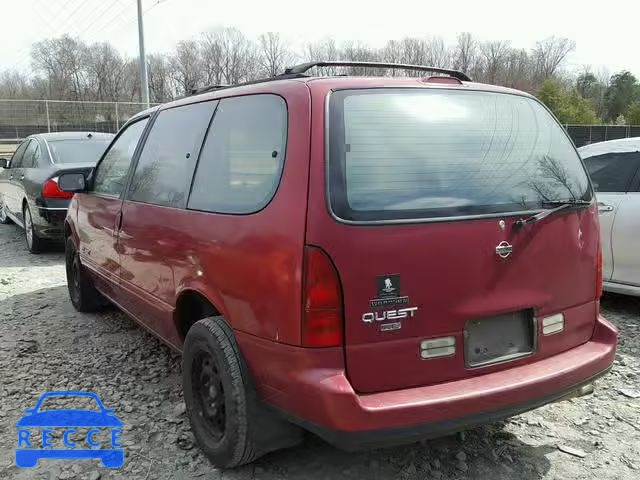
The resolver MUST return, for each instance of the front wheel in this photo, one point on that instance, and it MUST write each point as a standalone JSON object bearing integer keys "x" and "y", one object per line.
{"x": 4, "y": 218}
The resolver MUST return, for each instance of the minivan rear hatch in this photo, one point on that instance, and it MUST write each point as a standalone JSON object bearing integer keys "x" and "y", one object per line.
{"x": 440, "y": 282}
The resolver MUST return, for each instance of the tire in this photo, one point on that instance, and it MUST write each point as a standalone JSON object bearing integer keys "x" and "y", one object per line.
{"x": 83, "y": 295}
{"x": 34, "y": 243}
{"x": 4, "y": 218}
{"x": 234, "y": 428}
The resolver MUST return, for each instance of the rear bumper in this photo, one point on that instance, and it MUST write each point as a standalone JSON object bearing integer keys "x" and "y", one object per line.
{"x": 49, "y": 222}
{"x": 311, "y": 388}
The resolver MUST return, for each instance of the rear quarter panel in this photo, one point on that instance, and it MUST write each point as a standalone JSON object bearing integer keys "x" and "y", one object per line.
{"x": 248, "y": 266}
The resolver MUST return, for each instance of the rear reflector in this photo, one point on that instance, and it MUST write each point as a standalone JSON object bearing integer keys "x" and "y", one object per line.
{"x": 322, "y": 322}
{"x": 50, "y": 189}
{"x": 553, "y": 324}
{"x": 437, "y": 347}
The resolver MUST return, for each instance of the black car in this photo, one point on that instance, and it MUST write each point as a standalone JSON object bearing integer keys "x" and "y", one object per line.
{"x": 29, "y": 193}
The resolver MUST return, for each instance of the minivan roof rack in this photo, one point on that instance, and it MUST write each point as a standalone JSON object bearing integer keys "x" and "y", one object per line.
{"x": 303, "y": 67}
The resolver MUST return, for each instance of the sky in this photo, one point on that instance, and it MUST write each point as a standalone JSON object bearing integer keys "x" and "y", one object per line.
{"x": 606, "y": 38}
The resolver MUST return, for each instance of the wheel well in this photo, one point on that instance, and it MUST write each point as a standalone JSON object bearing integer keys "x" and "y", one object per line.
{"x": 191, "y": 307}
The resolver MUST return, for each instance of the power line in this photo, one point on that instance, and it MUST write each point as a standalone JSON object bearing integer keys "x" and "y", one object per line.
{"x": 67, "y": 22}
{"x": 62, "y": 9}
{"x": 102, "y": 16}
{"x": 128, "y": 22}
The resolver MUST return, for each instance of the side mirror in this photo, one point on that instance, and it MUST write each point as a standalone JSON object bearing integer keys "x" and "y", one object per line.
{"x": 72, "y": 182}
{"x": 4, "y": 162}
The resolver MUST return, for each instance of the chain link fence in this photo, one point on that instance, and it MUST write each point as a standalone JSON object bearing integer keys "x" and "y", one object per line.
{"x": 21, "y": 118}
{"x": 586, "y": 134}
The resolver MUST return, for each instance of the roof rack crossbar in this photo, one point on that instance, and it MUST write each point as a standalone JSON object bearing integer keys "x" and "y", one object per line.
{"x": 303, "y": 67}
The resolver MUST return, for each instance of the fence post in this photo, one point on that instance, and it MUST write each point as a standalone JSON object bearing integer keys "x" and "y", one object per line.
{"x": 46, "y": 104}
{"x": 117, "y": 118}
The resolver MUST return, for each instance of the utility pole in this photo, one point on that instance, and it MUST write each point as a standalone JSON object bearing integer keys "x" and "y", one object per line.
{"x": 144, "y": 82}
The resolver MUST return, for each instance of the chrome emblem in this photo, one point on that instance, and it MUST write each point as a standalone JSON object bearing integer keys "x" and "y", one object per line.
{"x": 504, "y": 249}
{"x": 502, "y": 224}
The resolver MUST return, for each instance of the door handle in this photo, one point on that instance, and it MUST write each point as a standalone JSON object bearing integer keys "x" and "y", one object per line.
{"x": 604, "y": 207}
{"x": 117, "y": 224}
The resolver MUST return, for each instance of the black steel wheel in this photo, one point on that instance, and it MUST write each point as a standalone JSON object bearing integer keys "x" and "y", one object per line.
{"x": 209, "y": 401}
{"x": 83, "y": 295}
{"x": 229, "y": 422}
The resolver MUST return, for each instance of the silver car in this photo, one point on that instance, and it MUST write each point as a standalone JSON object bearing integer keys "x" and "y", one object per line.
{"x": 614, "y": 167}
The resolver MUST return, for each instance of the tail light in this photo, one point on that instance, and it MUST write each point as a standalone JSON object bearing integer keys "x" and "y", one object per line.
{"x": 50, "y": 189}
{"x": 322, "y": 322}
{"x": 599, "y": 272}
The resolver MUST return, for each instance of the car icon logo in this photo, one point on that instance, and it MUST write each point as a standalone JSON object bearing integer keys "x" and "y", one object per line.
{"x": 504, "y": 249}
{"x": 27, "y": 454}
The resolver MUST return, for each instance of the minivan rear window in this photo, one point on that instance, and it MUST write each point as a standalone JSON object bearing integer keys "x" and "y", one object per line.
{"x": 434, "y": 153}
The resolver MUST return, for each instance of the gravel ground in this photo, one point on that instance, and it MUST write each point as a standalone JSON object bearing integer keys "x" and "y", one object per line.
{"x": 46, "y": 345}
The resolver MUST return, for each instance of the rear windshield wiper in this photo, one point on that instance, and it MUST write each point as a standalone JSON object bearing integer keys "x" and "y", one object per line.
{"x": 557, "y": 206}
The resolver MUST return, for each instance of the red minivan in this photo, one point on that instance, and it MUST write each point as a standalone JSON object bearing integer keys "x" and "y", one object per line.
{"x": 377, "y": 260}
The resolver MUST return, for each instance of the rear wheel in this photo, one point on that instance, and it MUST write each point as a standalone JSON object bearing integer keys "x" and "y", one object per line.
{"x": 34, "y": 242}
{"x": 229, "y": 423}
{"x": 84, "y": 296}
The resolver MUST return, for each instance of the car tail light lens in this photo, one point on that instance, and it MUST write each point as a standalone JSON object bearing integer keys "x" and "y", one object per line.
{"x": 50, "y": 189}
{"x": 322, "y": 323}
{"x": 599, "y": 272}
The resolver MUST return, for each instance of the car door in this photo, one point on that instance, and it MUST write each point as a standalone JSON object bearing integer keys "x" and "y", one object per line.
{"x": 626, "y": 231}
{"x": 10, "y": 190}
{"x": 149, "y": 242}
{"x": 27, "y": 164}
{"x": 612, "y": 174}
{"x": 99, "y": 209}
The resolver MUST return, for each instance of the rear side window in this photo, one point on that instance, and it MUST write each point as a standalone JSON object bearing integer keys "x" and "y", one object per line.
{"x": 613, "y": 172}
{"x": 16, "y": 159}
{"x": 165, "y": 168}
{"x": 111, "y": 173}
{"x": 29, "y": 155}
{"x": 429, "y": 153}
{"x": 242, "y": 158}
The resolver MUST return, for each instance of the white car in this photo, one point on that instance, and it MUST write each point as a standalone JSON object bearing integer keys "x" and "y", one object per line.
{"x": 614, "y": 167}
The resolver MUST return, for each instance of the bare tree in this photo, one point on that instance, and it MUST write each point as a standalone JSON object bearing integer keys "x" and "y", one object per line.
{"x": 517, "y": 71}
{"x": 549, "y": 55}
{"x": 275, "y": 54}
{"x": 14, "y": 85}
{"x": 414, "y": 51}
{"x": 358, "y": 52}
{"x": 494, "y": 55}
{"x": 438, "y": 53}
{"x": 105, "y": 71}
{"x": 324, "y": 50}
{"x": 229, "y": 57}
{"x": 466, "y": 52}
{"x": 61, "y": 61}
{"x": 159, "y": 73}
{"x": 186, "y": 66}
